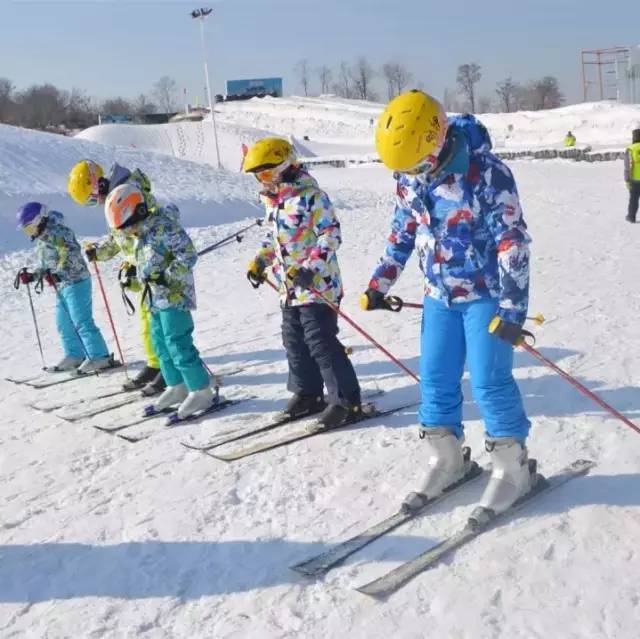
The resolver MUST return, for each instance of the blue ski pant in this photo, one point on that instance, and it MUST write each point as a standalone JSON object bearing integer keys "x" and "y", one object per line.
{"x": 172, "y": 337}
{"x": 451, "y": 335}
{"x": 74, "y": 311}
{"x": 316, "y": 356}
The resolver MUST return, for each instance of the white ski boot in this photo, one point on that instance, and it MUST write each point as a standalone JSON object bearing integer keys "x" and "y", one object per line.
{"x": 513, "y": 474}
{"x": 94, "y": 365}
{"x": 171, "y": 396}
{"x": 196, "y": 401}
{"x": 446, "y": 465}
{"x": 67, "y": 364}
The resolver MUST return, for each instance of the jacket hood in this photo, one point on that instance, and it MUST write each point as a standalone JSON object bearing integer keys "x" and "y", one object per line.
{"x": 55, "y": 216}
{"x": 475, "y": 132}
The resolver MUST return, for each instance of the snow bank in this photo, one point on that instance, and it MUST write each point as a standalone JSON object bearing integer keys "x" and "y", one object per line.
{"x": 35, "y": 165}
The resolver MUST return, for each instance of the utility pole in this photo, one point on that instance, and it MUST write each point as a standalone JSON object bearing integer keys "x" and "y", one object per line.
{"x": 201, "y": 15}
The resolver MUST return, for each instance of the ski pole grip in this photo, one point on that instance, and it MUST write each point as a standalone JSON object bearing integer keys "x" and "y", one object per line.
{"x": 394, "y": 303}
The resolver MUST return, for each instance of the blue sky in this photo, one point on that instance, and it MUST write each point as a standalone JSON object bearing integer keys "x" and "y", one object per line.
{"x": 122, "y": 47}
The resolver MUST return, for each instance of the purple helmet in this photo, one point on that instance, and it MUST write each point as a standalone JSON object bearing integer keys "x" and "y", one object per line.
{"x": 29, "y": 217}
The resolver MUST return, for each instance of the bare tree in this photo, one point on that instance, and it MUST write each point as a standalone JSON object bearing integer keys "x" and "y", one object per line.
{"x": 325, "y": 76}
{"x": 302, "y": 71}
{"x": 397, "y": 78}
{"x": 508, "y": 92}
{"x": 362, "y": 75}
{"x": 468, "y": 76}
{"x": 6, "y": 100}
{"x": 484, "y": 104}
{"x": 450, "y": 101}
{"x": 143, "y": 106}
{"x": 80, "y": 111}
{"x": 546, "y": 93}
{"x": 165, "y": 92}
{"x": 41, "y": 106}
{"x": 117, "y": 106}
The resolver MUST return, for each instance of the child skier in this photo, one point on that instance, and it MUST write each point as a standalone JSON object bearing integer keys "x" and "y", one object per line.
{"x": 88, "y": 186}
{"x": 458, "y": 204}
{"x": 301, "y": 249}
{"x": 61, "y": 265}
{"x": 165, "y": 258}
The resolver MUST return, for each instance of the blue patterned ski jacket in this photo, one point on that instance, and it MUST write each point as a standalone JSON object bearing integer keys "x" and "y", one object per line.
{"x": 58, "y": 251}
{"x": 468, "y": 229}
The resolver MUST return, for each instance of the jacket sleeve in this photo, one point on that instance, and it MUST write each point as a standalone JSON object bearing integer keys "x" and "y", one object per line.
{"x": 628, "y": 166}
{"x": 108, "y": 249}
{"x": 170, "y": 251}
{"x": 327, "y": 229}
{"x": 400, "y": 244}
{"x": 506, "y": 224}
{"x": 266, "y": 254}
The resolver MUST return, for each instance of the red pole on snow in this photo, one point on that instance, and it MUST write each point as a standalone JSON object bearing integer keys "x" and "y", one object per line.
{"x": 362, "y": 332}
{"x": 576, "y": 384}
{"x": 113, "y": 326}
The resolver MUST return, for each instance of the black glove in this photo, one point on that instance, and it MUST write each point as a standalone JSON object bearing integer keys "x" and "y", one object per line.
{"x": 508, "y": 331}
{"x": 25, "y": 276}
{"x": 50, "y": 278}
{"x": 301, "y": 276}
{"x": 127, "y": 273}
{"x": 91, "y": 252}
{"x": 158, "y": 279}
{"x": 372, "y": 300}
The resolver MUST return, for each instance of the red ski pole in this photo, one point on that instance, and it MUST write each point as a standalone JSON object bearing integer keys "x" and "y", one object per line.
{"x": 576, "y": 384}
{"x": 113, "y": 326}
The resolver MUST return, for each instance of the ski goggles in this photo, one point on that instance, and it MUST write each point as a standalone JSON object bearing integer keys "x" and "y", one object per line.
{"x": 33, "y": 228}
{"x": 428, "y": 165}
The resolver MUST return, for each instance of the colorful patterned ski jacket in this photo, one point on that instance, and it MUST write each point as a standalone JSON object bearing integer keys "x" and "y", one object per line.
{"x": 303, "y": 231}
{"x": 164, "y": 248}
{"x": 58, "y": 250}
{"x": 468, "y": 229}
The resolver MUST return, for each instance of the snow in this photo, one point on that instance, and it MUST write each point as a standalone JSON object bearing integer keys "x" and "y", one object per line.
{"x": 102, "y": 538}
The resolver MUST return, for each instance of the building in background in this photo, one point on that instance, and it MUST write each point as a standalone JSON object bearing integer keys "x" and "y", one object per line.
{"x": 255, "y": 88}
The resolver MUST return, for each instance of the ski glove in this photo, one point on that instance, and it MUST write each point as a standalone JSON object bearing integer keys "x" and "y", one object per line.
{"x": 508, "y": 331}
{"x": 300, "y": 276}
{"x": 91, "y": 252}
{"x": 255, "y": 273}
{"x": 25, "y": 276}
{"x": 372, "y": 300}
{"x": 127, "y": 274}
{"x": 50, "y": 278}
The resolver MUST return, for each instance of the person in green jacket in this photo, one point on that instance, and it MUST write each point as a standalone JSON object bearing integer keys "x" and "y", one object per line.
{"x": 632, "y": 175}
{"x": 569, "y": 139}
{"x": 88, "y": 186}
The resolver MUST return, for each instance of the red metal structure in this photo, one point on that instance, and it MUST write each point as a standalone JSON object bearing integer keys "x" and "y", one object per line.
{"x": 610, "y": 59}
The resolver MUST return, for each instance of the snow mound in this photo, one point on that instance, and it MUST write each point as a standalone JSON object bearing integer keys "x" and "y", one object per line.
{"x": 35, "y": 165}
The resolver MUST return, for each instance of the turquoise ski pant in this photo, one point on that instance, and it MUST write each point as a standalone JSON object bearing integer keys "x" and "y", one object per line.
{"x": 74, "y": 307}
{"x": 172, "y": 337}
{"x": 451, "y": 335}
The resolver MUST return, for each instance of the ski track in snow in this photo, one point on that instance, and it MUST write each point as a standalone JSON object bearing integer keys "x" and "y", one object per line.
{"x": 102, "y": 538}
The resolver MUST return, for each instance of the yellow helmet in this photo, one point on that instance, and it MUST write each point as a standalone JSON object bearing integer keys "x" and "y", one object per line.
{"x": 83, "y": 182}
{"x": 269, "y": 156}
{"x": 411, "y": 132}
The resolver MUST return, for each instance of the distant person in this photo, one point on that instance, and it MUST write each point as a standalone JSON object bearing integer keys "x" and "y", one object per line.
{"x": 569, "y": 140}
{"x": 88, "y": 186}
{"x": 60, "y": 265}
{"x": 457, "y": 206}
{"x": 165, "y": 257}
{"x": 632, "y": 175}
{"x": 301, "y": 248}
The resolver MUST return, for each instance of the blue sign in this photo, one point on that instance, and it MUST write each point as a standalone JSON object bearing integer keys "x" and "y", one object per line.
{"x": 116, "y": 119}
{"x": 259, "y": 87}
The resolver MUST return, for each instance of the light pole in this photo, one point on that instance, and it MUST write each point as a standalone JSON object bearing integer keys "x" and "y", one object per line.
{"x": 200, "y": 15}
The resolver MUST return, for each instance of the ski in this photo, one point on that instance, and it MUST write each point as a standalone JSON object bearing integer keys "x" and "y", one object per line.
{"x": 280, "y": 419}
{"x": 172, "y": 422}
{"x": 113, "y": 429}
{"x": 62, "y": 378}
{"x": 480, "y": 521}
{"x": 92, "y": 412}
{"x": 314, "y": 428}
{"x": 49, "y": 408}
{"x": 322, "y": 563}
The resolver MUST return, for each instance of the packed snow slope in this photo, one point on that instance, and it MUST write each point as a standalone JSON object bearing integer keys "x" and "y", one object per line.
{"x": 103, "y": 538}
{"x": 340, "y": 127}
{"x": 35, "y": 166}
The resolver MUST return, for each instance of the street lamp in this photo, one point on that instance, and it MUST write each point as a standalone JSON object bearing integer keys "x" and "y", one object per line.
{"x": 201, "y": 15}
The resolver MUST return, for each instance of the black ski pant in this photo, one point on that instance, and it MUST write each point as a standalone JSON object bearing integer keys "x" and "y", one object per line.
{"x": 634, "y": 200}
{"x": 316, "y": 355}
